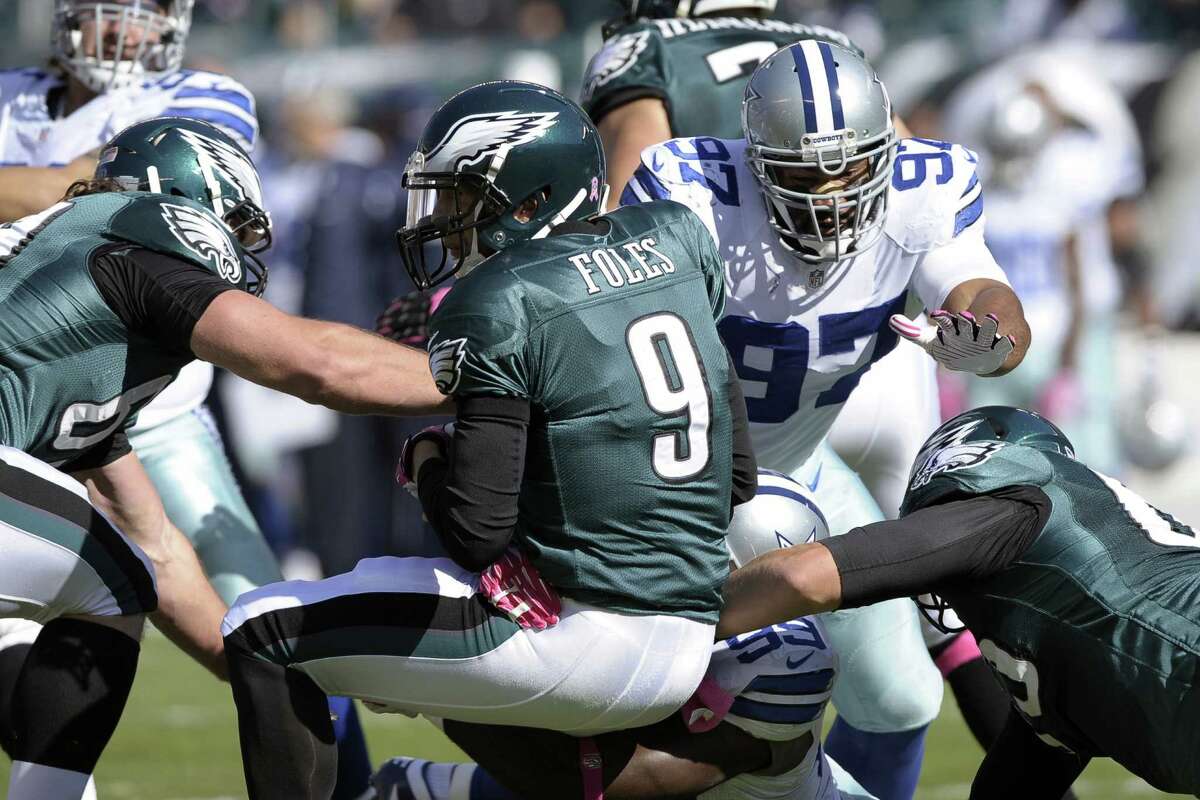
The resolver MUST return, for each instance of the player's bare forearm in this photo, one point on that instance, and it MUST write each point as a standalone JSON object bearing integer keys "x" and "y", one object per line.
{"x": 663, "y": 760}
{"x": 28, "y": 190}
{"x": 330, "y": 364}
{"x": 189, "y": 610}
{"x": 983, "y": 296}
{"x": 778, "y": 586}
{"x": 627, "y": 131}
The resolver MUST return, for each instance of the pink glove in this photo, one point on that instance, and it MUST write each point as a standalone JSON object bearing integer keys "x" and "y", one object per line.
{"x": 1061, "y": 398}
{"x": 441, "y": 435}
{"x": 707, "y": 706}
{"x": 406, "y": 320}
{"x": 513, "y": 585}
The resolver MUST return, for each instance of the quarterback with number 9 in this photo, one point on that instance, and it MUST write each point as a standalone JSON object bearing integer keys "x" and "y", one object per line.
{"x": 599, "y": 447}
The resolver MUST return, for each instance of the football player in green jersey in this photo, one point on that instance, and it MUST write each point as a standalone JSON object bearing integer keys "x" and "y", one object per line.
{"x": 601, "y": 441}
{"x": 103, "y": 298}
{"x": 1083, "y": 597}
{"x": 673, "y": 68}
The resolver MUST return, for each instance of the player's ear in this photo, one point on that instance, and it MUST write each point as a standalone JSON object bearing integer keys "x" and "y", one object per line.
{"x": 529, "y": 206}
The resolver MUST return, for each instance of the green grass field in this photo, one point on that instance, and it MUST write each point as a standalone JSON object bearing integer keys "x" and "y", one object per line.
{"x": 178, "y": 741}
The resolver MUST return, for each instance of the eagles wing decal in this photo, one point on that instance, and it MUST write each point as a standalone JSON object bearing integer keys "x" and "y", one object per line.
{"x": 949, "y": 452}
{"x": 231, "y": 162}
{"x": 474, "y": 138}
{"x": 207, "y": 238}
{"x": 445, "y": 363}
{"x": 616, "y": 58}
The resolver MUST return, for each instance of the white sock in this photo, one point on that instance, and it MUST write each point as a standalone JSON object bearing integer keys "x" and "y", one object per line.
{"x": 90, "y": 792}
{"x": 38, "y": 782}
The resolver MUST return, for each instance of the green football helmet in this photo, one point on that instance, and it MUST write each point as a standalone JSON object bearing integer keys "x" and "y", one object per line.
{"x": 498, "y": 164}
{"x": 1001, "y": 424}
{"x": 188, "y": 158}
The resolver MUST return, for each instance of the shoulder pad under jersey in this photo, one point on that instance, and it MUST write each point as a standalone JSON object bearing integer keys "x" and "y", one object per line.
{"x": 935, "y": 194}
{"x": 210, "y": 97}
{"x": 178, "y": 227}
{"x": 14, "y": 83}
{"x": 629, "y": 65}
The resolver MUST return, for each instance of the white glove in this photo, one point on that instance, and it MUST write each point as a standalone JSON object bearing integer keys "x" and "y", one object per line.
{"x": 957, "y": 341}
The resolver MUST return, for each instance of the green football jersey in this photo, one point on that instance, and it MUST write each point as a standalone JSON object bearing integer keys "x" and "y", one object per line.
{"x": 1095, "y": 629}
{"x": 612, "y": 339}
{"x": 697, "y": 67}
{"x": 71, "y": 373}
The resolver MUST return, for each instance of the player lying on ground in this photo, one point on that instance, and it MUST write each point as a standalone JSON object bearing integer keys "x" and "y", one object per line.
{"x": 104, "y": 297}
{"x": 600, "y": 430}
{"x": 1082, "y": 596}
{"x": 752, "y": 731}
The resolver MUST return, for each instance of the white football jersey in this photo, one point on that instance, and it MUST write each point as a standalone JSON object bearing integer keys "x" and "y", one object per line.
{"x": 781, "y": 679}
{"x": 31, "y": 135}
{"x": 801, "y": 350}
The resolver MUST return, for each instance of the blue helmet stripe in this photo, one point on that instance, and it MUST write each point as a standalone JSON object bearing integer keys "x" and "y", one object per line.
{"x": 806, "y": 88}
{"x": 835, "y": 98}
{"x": 781, "y": 491}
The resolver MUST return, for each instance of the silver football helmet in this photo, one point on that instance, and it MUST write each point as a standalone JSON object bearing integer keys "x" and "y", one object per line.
{"x": 1017, "y": 127}
{"x": 782, "y": 513}
{"x": 110, "y": 45}
{"x": 818, "y": 123}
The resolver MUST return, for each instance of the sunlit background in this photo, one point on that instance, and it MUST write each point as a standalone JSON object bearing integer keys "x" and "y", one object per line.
{"x": 343, "y": 89}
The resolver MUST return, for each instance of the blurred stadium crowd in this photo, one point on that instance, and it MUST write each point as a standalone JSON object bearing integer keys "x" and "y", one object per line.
{"x": 1084, "y": 112}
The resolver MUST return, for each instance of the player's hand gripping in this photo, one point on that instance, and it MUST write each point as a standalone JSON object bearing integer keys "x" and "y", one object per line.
{"x": 406, "y": 320}
{"x": 442, "y": 436}
{"x": 958, "y": 341}
{"x": 513, "y": 585}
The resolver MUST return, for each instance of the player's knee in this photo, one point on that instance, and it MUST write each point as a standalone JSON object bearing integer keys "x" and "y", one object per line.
{"x": 886, "y": 696}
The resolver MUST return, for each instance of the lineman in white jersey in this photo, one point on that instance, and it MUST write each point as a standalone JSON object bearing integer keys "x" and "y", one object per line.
{"x": 817, "y": 279}
{"x": 116, "y": 63}
{"x": 751, "y": 732}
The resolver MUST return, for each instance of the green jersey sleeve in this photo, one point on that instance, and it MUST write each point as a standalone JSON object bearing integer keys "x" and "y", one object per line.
{"x": 478, "y": 348}
{"x": 973, "y": 468}
{"x": 628, "y": 67}
{"x": 179, "y": 227}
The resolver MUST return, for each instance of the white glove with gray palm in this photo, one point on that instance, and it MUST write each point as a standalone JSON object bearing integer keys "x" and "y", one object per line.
{"x": 958, "y": 342}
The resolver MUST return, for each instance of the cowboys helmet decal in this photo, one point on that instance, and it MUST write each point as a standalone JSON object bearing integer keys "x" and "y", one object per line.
{"x": 949, "y": 452}
{"x": 618, "y": 55}
{"x": 445, "y": 363}
{"x": 231, "y": 163}
{"x": 473, "y": 138}
{"x": 206, "y": 237}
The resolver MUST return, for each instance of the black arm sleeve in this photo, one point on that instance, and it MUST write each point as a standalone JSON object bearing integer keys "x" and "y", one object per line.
{"x": 611, "y": 101}
{"x": 1019, "y": 764}
{"x": 745, "y": 468}
{"x": 471, "y": 499}
{"x": 960, "y": 539}
{"x": 157, "y": 296}
{"x": 102, "y": 454}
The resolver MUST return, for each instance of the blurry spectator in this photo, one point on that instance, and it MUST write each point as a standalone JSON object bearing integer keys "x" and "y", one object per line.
{"x": 1061, "y": 155}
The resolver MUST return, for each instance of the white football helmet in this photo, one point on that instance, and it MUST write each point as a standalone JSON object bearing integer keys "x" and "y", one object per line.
{"x": 782, "y": 513}
{"x": 110, "y": 45}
